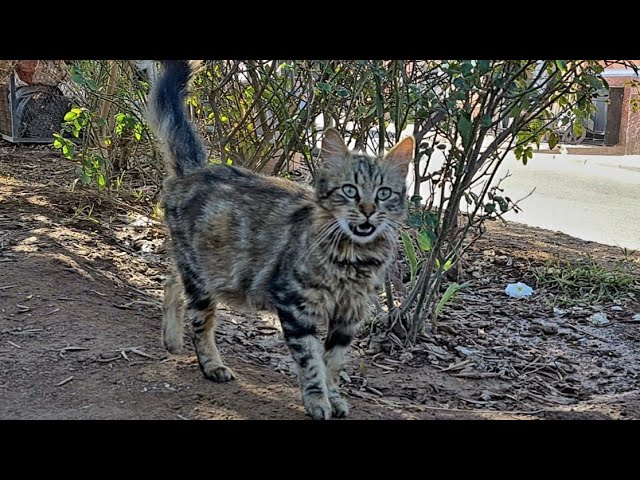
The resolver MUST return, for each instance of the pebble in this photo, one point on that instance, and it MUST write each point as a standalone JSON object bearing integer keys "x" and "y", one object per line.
{"x": 599, "y": 319}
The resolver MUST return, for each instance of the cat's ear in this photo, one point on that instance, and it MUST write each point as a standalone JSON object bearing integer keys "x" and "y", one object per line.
{"x": 401, "y": 154}
{"x": 333, "y": 147}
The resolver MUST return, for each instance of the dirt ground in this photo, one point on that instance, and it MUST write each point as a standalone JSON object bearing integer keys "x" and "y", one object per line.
{"x": 80, "y": 291}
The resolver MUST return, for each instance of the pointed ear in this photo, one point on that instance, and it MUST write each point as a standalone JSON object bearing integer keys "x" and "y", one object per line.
{"x": 402, "y": 153}
{"x": 333, "y": 147}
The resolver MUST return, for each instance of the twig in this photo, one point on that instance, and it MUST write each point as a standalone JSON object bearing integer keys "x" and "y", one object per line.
{"x": 513, "y": 412}
{"x": 586, "y": 333}
{"x": 125, "y": 306}
{"x": 476, "y": 375}
{"x": 384, "y": 367}
{"x": 141, "y": 353}
{"x": 457, "y": 366}
{"x": 373, "y": 390}
{"x": 14, "y": 344}
{"x": 52, "y": 311}
{"x": 69, "y": 349}
{"x": 7, "y": 286}
{"x": 107, "y": 360}
{"x": 26, "y": 332}
{"x": 66, "y": 380}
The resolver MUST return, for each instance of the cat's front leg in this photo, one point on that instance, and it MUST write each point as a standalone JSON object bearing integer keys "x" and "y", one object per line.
{"x": 301, "y": 338}
{"x": 336, "y": 344}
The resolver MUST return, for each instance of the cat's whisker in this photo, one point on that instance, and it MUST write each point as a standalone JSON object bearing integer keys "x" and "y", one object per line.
{"x": 327, "y": 230}
{"x": 327, "y": 237}
{"x": 333, "y": 250}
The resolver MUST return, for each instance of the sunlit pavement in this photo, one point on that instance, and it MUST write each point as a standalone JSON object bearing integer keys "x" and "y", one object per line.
{"x": 592, "y": 197}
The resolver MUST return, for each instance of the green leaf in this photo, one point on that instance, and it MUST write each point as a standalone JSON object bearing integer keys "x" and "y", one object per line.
{"x": 504, "y": 206}
{"x": 411, "y": 255}
{"x": 415, "y": 198}
{"x": 424, "y": 241}
{"x": 578, "y": 129}
{"x": 229, "y": 162}
{"x": 414, "y": 219}
{"x": 323, "y": 87}
{"x": 515, "y": 111}
{"x": 100, "y": 180}
{"x": 447, "y": 265}
{"x": 466, "y": 68}
{"x": 464, "y": 127}
{"x": 449, "y": 294}
{"x": 70, "y": 115}
{"x": 490, "y": 208}
{"x": 68, "y": 150}
{"x": 553, "y": 140}
{"x": 484, "y": 65}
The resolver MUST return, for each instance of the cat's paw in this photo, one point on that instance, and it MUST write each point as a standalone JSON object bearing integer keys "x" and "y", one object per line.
{"x": 218, "y": 373}
{"x": 339, "y": 407}
{"x": 317, "y": 406}
{"x": 173, "y": 345}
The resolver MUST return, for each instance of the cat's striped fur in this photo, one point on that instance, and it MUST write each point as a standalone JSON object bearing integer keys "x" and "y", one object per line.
{"x": 269, "y": 243}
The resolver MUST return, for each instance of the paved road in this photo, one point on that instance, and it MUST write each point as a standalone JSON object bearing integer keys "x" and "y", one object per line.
{"x": 590, "y": 197}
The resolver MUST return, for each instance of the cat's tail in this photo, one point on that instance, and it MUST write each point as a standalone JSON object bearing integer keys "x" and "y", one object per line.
{"x": 167, "y": 116}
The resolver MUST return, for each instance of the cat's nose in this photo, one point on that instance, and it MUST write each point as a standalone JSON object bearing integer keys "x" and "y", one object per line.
{"x": 367, "y": 208}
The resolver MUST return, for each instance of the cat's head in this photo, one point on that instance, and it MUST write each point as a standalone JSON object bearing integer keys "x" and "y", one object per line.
{"x": 366, "y": 195}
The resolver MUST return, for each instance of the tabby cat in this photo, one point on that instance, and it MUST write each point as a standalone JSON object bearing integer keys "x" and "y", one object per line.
{"x": 312, "y": 256}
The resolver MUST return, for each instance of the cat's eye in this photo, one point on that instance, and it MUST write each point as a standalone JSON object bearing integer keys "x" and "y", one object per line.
{"x": 350, "y": 191}
{"x": 384, "y": 193}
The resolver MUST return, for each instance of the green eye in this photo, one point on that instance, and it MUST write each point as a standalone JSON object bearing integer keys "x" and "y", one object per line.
{"x": 384, "y": 193}
{"x": 350, "y": 191}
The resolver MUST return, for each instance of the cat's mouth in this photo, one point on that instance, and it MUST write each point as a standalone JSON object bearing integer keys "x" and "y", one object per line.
{"x": 363, "y": 230}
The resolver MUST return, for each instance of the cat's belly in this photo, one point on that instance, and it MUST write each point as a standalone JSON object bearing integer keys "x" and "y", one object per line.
{"x": 245, "y": 301}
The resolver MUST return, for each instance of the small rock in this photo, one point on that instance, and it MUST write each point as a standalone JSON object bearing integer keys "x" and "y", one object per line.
{"x": 549, "y": 328}
{"x": 406, "y": 357}
{"x": 485, "y": 395}
{"x": 344, "y": 376}
{"x": 466, "y": 351}
{"x": 616, "y": 308}
{"x": 558, "y": 312}
{"x": 599, "y": 319}
{"x": 438, "y": 350}
{"x": 636, "y": 317}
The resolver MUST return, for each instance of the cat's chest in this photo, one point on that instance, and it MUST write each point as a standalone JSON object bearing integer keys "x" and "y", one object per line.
{"x": 346, "y": 302}
{"x": 344, "y": 289}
